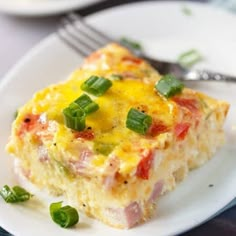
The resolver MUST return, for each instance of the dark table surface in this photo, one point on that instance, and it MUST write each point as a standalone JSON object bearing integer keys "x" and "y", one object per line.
{"x": 222, "y": 224}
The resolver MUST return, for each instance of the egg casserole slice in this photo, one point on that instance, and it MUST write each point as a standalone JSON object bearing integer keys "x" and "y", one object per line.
{"x": 113, "y": 154}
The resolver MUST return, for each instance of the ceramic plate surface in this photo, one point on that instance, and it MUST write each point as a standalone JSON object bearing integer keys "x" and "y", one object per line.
{"x": 165, "y": 31}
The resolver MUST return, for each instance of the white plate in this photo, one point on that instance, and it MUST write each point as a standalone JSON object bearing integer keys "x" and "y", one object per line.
{"x": 42, "y": 7}
{"x": 165, "y": 31}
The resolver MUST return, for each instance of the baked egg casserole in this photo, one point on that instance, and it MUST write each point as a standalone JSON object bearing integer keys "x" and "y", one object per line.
{"x": 115, "y": 136}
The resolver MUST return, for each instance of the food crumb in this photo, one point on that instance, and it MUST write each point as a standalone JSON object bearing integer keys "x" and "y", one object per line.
{"x": 187, "y": 11}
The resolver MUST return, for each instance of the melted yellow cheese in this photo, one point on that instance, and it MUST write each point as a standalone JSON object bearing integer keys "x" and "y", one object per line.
{"x": 135, "y": 90}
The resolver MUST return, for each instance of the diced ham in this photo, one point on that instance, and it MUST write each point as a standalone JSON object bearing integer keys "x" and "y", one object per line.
{"x": 125, "y": 217}
{"x": 110, "y": 173}
{"x": 133, "y": 214}
{"x": 43, "y": 154}
{"x": 108, "y": 182}
{"x": 156, "y": 190}
{"x": 82, "y": 163}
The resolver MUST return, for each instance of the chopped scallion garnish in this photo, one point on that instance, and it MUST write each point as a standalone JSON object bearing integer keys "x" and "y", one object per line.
{"x": 138, "y": 121}
{"x": 15, "y": 114}
{"x": 104, "y": 148}
{"x": 86, "y": 103}
{"x": 16, "y": 194}
{"x": 66, "y": 216}
{"x": 21, "y": 193}
{"x": 169, "y": 86}
{"x": 189, "y": 58}
{"x": 74, "y": 117}
{"x": 116, "y": 77}
{"x": 96, "y": 85}
{"x": 130, "y": 44}
{"x": 187, "y": 11}
{"x": 75, "y": 114}
{"x": 8, "y": 195}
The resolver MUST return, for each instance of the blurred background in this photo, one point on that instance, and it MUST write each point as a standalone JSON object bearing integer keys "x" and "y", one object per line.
{"x": 23, "y": 23}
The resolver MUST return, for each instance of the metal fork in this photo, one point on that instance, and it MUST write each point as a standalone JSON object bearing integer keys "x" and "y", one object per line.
{"x": 84, "y": 39}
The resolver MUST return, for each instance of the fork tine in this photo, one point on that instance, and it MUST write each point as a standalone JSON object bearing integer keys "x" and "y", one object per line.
{"x": 80, "y": 36}
{"x": 77, "y": 36}
{"x": 84, "y": 29}
{"x": 84, "y": 38}
{"x": 79, "y": 19}
{"x": 65, "y": 37}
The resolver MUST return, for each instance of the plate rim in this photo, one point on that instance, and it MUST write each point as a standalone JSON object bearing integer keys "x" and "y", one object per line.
{"x": 39, "y": 47}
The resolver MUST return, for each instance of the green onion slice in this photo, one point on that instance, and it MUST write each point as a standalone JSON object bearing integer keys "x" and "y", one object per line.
{"x": 86, "y": 103}
{"x": 21, "y": 193}
{"x": 116, "y": 76}
{"x": 104, "y": 148}
{"x": 66, "y": 216}
{"x": 8, "y": 195}
{"x": 130, "y": 44}
{"x": 15, "y": 114}
{"x": 187, "y": 11}
{"x": 75, "y": 113}
{"x": 189, "y": 58}
{"x": 138, "y": 121}
{"x": 169, "y": 86}
{"x": 74, "y": 117}
{"x": 14, "y": 195}
{"x": 96, "y": 85}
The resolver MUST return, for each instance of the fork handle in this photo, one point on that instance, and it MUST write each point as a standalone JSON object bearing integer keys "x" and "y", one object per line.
{"x": 196, "y": 75}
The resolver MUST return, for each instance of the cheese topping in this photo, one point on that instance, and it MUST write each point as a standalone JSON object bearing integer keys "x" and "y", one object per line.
{"x": 133, "y": 89}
